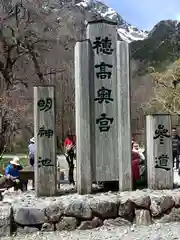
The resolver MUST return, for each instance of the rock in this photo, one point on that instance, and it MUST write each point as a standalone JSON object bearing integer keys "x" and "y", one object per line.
{"x": 27, "y": 216}
{"x": 142, "y": 202}
{"x": 79, "y": 209}
{"x": 116, "y": 222}
{"x": 176, "y": 199}
{"x": 104, "y": 209}
{"x": 97, "y": 222}
{"x": 160, "y": 204}
{"x": 27, "y": 230}
{"x": 85, "y": 225}
{"x": 54, "y": 212}
{"x": 47, "y": 227}
{"x": 142, "y": 217}
{"x": 67, "y": 223}
{"x": 173, "y": 216}
{"x": 126, "y": 209}
{"x": 5, "y": 220}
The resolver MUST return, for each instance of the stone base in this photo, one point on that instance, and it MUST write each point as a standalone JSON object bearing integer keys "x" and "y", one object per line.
{"x": 73, "y": 211}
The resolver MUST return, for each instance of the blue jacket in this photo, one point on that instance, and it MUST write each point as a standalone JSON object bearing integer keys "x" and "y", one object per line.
{"x": 13, "y": 171}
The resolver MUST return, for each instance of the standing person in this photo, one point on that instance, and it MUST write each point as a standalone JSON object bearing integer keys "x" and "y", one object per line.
{"x": 69, "y": 146}
{"x": 31, "y": 151}
{"x": 31, "y": 154}
{"x": 135, "y": 164}
{"x": 175, "y": 145}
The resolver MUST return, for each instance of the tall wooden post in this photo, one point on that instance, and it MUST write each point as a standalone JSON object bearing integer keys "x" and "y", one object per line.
{"x": 124, "y": 116}
{"x": 83, "y": 81}
{"x": 103, "y": 36}
{"x": 45, "y": 140}
{"x": 159, "y": 151}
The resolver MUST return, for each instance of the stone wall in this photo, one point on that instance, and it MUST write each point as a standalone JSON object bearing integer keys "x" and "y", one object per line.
{"x": 25, "y": 213}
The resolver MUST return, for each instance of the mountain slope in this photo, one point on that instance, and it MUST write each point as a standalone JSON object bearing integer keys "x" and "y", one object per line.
{"x": 126, "y": 31}
{"x": 161, "y": 45}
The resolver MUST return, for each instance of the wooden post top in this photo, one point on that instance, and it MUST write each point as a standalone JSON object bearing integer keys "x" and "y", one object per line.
{"x": 102, "y": 21}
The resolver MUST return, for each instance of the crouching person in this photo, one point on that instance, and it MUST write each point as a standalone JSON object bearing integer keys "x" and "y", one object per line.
{"x": 11, "y": 178}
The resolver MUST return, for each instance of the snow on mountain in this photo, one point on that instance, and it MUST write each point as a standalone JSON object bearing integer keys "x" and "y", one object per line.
{"x": 126, "y": 31}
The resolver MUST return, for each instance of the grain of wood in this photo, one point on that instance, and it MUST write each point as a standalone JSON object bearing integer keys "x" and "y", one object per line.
{"x": 105, "y": 143}
{"x": 83, "y": 80}
{"x": 124, "y": 117}
{"x": 45, "y": 176}
{"x": 158, "y": 178}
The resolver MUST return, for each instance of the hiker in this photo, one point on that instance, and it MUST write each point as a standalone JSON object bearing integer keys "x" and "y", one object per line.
{"x": 31, "y": 155}
{"x": 69, "y": 147}
{"x": 11, "y": 178}
{"x": 135, "y": 163}
{"x": 175, "y": 150}
{"x": 31, "y": 151}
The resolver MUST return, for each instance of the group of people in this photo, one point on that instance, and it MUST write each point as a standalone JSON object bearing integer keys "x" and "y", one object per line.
{"x": 12, "y": 171}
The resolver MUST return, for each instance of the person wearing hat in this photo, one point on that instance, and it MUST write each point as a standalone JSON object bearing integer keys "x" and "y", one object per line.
{"x": 31, "y": 154}
{"x": 31, "y": 151}
{"x": 12, "y": 174}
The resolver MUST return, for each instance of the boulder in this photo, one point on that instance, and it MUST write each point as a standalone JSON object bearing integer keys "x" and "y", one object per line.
{"x": 54, "y": 212}
{"x": 85, "y": 225}
{"x": 26, "y": 230}
{"x": 67, "y": 223}
{"x": 117, "y": 222}
{"x": 47, "y": 227}
{"x": 160, "y": 204}
{"x": 173, "y": 216}
{"x": 104, "y": 209}
{"x": 5, "y": 220}
{"x": 28, "y": 216}
{"x": 142, "y": 202}
{"x": 79, "y": 209}
{"x": 126, "y": 209}
{"x": 176, "y": 199}
{"x": 142, "y": 217}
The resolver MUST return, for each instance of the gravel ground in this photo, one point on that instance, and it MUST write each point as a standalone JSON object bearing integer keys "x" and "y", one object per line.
{"x": 167, "y": 231}
{"x": 170, "y": 231}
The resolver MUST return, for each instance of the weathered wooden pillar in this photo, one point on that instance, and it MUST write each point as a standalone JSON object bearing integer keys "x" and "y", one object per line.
{"x": 103, "y": 36}
{"x": 83, "y": 81}
{"x": 45, "y": 140}
{"x": 159, "y": 151}
{"x": 124, "y": 117}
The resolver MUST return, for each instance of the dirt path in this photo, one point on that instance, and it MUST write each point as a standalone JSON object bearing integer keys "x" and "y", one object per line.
{"x": 153, "y": 232}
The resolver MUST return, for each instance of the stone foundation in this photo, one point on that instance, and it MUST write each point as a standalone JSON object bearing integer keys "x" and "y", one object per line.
{"x": 25, "y": 213}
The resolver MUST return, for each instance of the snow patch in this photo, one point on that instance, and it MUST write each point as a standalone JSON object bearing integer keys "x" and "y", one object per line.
{"x": 126, "y": 31}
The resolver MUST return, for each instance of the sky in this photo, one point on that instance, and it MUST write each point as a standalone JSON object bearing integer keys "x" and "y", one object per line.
{"x": 144, "y": 14}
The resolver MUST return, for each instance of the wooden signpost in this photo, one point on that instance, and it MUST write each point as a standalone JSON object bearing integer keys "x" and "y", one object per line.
{"x": 83, "y": 78}
{"x": 103, "y": 37}
{"x": 45, "y": 140}
{"x": 100, "y": 139}
{"x": 159, "y": 151}
{"x": 124, "y": 116}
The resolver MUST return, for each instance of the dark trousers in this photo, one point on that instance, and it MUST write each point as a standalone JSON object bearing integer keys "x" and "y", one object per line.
{"x": 176, "y": 156}
{"x": 70, "y": 158}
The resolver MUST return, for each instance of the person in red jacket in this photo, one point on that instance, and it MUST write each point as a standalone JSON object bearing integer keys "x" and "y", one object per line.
{"x": 69, "y": 146}
{"x": 135, "y": 164}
